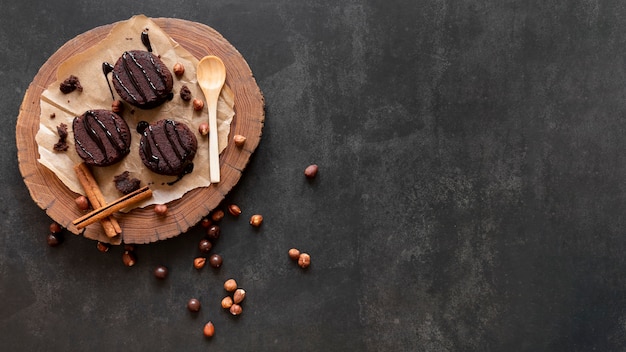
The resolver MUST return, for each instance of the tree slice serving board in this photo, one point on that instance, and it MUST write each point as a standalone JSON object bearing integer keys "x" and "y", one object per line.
{"x": 143, "y": 225}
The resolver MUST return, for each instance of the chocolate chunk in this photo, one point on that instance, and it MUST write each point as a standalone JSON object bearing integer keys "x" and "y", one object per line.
{"x": 70, "y": 84}
{"x": 126, "y": 184}
{"x": 185, "y": 93}
{"x": 61, "y": 145}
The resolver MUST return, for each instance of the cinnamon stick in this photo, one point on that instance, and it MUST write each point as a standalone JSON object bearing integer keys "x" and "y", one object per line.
{"x": 120, "y": 203}
{"x": 110, "y": 225}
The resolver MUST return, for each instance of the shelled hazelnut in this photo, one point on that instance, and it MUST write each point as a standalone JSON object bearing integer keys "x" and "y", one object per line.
{"x": 294, "y": 254}
{"x": 215, "y": 260}
{"x": 227, "y": 302}
{"x": 199, "y": 262}
{"x": 198, "y": 104}
{"x": 160, "y": 272}
{"x": 239, "y": 295}
{"x": 203, "y": 128}
{"x": 234, "y": 210}
{"x": 205, "y": 245}
{"x": 55, "y": 227}
{"x": 304, "y": 260}
{"x": 230, "y": 285}
{"x": 209, "y": 329}
{"x": 193, "y": 305}
{"x": 256, "y": 220}
{"x": 117, "y": 106}
{"x": 160, "y": 209}
{"x": 103, "y": 247}
{"x": 311, "y": 171}
{"x": 82, "y": 202}
{"x": 54, "y": 239}
{"x": 178, "y": 69}
{"x": 239, "y": 140}
{"x": 217, "y": 215}
{"x": 213, "y": 232}
{"x": 235, "y": 309}
{"x": 128, "y": 258}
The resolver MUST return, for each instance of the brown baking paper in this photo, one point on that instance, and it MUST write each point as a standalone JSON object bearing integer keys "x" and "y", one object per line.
{"x": 87, "y": 66}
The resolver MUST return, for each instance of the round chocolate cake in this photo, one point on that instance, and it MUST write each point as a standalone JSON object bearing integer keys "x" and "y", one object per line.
{"x": 142, "y": 79}
{"x": 168, "y": 147}
{"x": 102, "y": 137}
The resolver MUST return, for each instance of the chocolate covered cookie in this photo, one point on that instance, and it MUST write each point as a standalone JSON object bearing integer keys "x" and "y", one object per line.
{"x": 168, "y": 147}
{"x": 102, "y": 137}
{"x": 142, "y": 79}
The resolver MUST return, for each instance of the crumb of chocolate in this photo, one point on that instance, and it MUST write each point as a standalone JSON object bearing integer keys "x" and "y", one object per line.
{"x": 61, "y": 145}
{"x": 70, "y": 84}
{"x": 185, "y": 93}
{"x": 53, "y": 115}
{"x": 126, "y": 184}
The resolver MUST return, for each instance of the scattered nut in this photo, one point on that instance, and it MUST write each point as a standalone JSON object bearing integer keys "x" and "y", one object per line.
{"x": 230, "y": 285}
{"x": 198, "y": 104}
{"x": 160, "y": 209}
{"x": 117, "y": 106}
{"x": 209, "y": 329}
{"x": 54, "y": 239}
{"x": 239, "y": 295}
{"x": 213, "y": 232}
{"x": 234, "y": 210}
{"x": 178, "y": 69}
{"x": 205, "y": 245}
{"x": 203, "y": 128}
{"x": 206, "y": 223}
{"x": 311, "y": 171}
{"x": 55, "y": 227}
{"x": 304, "y": 260}
{"x": 294, "y": 254}
{"x": 256, "y": 220}
{"x": 227, "y": 302}
{"x": 103, "y": 247}
{"x": 128, "y": 258}
{"x": 239, "y": 140}
{"x": 217, "y": 215}
{"x": 199, "y": 262}
{"x": 235, "y": 309}
{"x": 215, "y": 260}
{"x": 193, "y": 305}
{"x": 160, "y": 272}
{"x": 82, "y": 202}
{"x": 129, "y": 247}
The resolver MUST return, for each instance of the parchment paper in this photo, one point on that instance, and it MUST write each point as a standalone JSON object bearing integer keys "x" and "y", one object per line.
{"x": 87, "y": 66}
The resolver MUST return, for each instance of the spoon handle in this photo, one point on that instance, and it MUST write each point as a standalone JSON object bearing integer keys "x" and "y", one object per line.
{"x": 214, "y": 162}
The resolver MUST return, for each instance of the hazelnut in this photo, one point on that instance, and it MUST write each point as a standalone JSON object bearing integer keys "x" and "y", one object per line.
{"x": 234, "y": 210}
{"x": 103, "y": 247}
{"x": 129, "y": 247}
{"x": 206, "y": 223}
{"x": 230, "y": 285}
{"x": 215, "y": 260}
{"x": 82, "y": 202}
{"x": 178, "y": 69}
{"x": 160, "y": 209}
{"x": 54, "y": 239}
{"x": 294, "y": 254}
{"x": 239, "y": 295}
{"x": 256, "y": 220}
{"x": 209, "y": 329}
{"x": 55, "y": 227}
{"x": 235, "y": 309}
{"x": 239, "y": 140}
{"x": 217, "y": 215}
{"x": 198, "y": 104}
{"x": 311, "y": 171}
{"x": 128, "y": 258}
{"x": 205, "y": 245}
{"x": 203, "y": 128}
{"x": 193, "y": 305}
{"x": 199, "y": 262}
{"x": 227, "y": 302}
{"x": 304, "y": 260}
{"x": 117, "y": 106}
{"x": 160, "y": 272}
{"x": 213, "y": 232}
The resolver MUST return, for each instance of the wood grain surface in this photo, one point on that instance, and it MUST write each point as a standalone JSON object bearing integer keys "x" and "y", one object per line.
{"x": 143, "y": 225}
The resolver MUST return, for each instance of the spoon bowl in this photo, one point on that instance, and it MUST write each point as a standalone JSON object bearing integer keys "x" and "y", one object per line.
{"x": 211, "y": 75}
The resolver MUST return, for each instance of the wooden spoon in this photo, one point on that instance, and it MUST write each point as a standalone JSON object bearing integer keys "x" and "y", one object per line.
{"x": 211, "y": 75}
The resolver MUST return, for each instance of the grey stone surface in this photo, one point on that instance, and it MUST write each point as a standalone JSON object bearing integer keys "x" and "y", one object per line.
{"x": 470, "y": 194}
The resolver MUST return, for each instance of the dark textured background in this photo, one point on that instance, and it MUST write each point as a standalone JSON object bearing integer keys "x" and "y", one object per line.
{"x": 470, "y": 195}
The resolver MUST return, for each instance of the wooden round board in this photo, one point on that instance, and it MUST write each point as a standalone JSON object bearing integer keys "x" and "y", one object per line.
{"x": 143, "y": 225}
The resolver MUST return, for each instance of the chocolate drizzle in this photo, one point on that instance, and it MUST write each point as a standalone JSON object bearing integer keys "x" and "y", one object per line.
{"x": 106, "y": 69}
{"x": 145, "y": 39}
